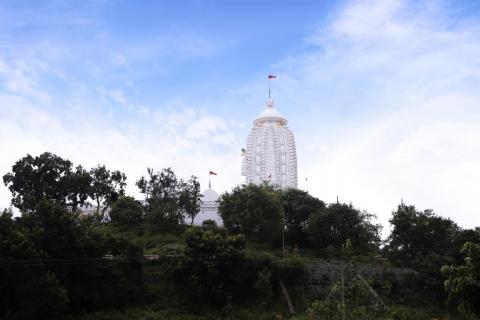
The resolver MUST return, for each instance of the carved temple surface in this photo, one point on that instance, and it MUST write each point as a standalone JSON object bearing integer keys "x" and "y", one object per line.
{"x": 270, "y": 154}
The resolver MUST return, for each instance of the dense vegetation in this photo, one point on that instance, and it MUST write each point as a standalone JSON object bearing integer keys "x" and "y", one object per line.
{"x": 150, "y": 261}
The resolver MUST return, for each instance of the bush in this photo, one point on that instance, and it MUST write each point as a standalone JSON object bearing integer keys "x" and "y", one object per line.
{"x": 254, "y": 211}
{"x": 127, "y": 210}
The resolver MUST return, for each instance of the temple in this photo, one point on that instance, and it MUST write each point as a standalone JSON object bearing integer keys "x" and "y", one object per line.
{"x": 208, "y": 207}
{"x": 270, "y": 155}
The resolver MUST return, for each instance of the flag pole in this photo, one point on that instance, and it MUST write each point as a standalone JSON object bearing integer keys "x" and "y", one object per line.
{"x": 269, "y": 89}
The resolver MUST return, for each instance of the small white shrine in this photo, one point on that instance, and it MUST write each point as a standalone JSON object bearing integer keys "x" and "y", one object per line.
{"x": 209, "y": 207}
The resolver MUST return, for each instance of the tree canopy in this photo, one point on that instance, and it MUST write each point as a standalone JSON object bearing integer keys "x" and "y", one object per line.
{"x": 339, "y": 222}
{"x": 51, "y": 177}
{"x": 298, "y": 207}
{"x": 253, "y": 210}
{"x": 127, "y": 210}
{"x": 168, "y": 199}
{"x": 46, "y": 176}
{"x": 463, "y": 281}
{"x": 106, "y": 187}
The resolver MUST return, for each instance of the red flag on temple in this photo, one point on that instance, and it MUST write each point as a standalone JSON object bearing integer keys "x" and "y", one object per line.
{"x": 212, "y": 173}
{"x": 271, "y": 76}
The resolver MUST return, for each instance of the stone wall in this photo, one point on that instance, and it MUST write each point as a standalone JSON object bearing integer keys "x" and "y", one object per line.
{"x": 322, "y": 274}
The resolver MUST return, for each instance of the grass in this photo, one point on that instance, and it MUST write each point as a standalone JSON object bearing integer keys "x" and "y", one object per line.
{"x": 150, "y": 313}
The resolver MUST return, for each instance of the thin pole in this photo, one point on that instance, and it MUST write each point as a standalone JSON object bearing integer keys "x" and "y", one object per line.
{"x": 343, "y": 286}
{"x": 268, "y": 89}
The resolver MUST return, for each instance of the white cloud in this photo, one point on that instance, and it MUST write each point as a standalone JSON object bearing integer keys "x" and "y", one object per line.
{"x": 189, "y": 140}
{"x": 395, "y": 86}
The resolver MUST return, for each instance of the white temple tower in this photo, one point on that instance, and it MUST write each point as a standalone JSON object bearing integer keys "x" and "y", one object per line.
{"x": 270, "y": 155}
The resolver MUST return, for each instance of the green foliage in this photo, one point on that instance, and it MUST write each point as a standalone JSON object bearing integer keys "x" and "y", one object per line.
{"x": 28, "y": 291}
{"x": 463, "y": 281}
{"x": 264, "y": 287}
{"x": 51, "y": 260}
{"x": 253, "y": 210}
{"x": 419, "y": 233}
{"x": 168, "y": 199}
{"x": 298, "y": 206}
{"x": 106, "y": 187}
{"x": 359, "y": 303}
{"x": 189, "y": 198}
{"x": 78, "y": 187}
{"x": 424, "y": 242}
{"x": 163, "y": 313}
{"x": 127, "y": 210}
{"x": 214, "y": 242}
{"x": 51, "y": 177}
{"x": 210, "y": 271}
{"x": 53, "y": 263}
{"x": 209, "y": 223}
{"x": 36, "y": 178}
{"x": 339, "y": 222}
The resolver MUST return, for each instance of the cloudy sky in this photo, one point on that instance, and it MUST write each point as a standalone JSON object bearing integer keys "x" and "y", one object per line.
{"x": 383, "y": 96}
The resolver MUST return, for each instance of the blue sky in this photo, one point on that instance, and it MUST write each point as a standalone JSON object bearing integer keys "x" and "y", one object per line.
{"x": 383, "y": 96}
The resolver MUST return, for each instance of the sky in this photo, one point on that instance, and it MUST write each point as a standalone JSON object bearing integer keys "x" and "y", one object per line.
{"x": 383, "y": 96}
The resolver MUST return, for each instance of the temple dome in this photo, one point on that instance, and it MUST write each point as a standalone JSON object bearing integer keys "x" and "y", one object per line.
{"x": 270, "y": 114}
{"x": 209, "y": 195}
{"x": 208, "y": 207}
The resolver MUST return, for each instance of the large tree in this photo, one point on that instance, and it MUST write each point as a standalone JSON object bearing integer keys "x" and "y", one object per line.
{"x": 424, "y": 242}
{"x": 190, "y": 197}
{"x": 297, "y": 207}
{"x": 49, "y": 257}
{"x": 127, "y": 210}
{"x": 106, "y": 187}
{"x": 28, "y": 291}
{"x": 419, "y": 233}
{"x": 254, "y": 210}
{"x": 463, "y": 281}
{"x": 162, "y": 193}
{"x": 339, "y": 222}
{"x": 78, "y": 187}
{"x": 46, "y": 176}
{"x": 213, "y": 271}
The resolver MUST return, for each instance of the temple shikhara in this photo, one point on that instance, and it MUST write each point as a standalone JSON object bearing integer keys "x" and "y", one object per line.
{"x": 270, "y": 155}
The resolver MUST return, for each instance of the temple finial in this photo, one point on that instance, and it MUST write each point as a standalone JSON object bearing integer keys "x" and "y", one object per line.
{"x": 270, "y": 77}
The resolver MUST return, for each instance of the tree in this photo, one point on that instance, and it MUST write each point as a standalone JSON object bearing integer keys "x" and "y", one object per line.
{"x": 419, "y": 233}
{"x": 424, "y": 242}
{"x": 253, "y": 210}
{"x": 339, "y": 222}
{"x": 127, "y": 210}
{"x": 51, "y": 258}
{"x": 298, "y": 206}
{"x": 27, "y": 290}
{"x": 78, "y": 187}
{"x": 162, "y": 193}
{"x": 463, "y": 281}
{"x": 211, "y": 271}
{"x": 43, "y": 177}
{"x": 106, "y": 187}
{"x": 190, "y": 197}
